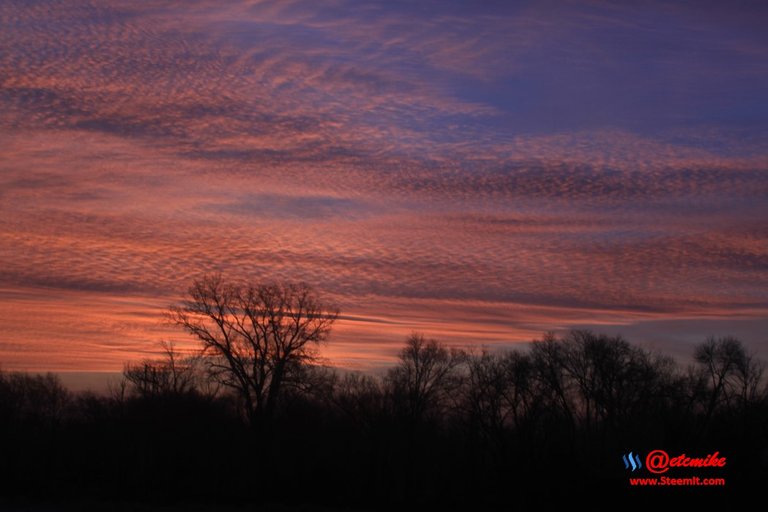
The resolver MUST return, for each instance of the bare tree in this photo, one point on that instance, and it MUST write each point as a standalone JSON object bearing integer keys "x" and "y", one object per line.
{"x": 733, "y": 377}
{"x": 361, "y": 398}
{"x": 615, "y": 380}
{"x": 258, "y": 337}
{"x": 32, "y": 399}
{"x": 499, "y": 391}
{"x": 749, "y": 377}
{"x": 557, "y": 390}
{"x": 601, "y": 381}
{"x": 175, "y": 374}
{"x": 426, "y": 377}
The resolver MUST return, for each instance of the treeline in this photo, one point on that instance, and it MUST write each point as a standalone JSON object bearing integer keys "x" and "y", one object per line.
{"x": 443, "y": 426}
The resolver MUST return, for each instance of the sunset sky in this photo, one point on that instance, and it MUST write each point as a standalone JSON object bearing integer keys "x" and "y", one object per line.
{"x": 481, "y": 172}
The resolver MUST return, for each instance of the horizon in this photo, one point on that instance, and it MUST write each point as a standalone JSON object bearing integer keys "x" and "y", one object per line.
{"x": 481, "y": 174}
{"x": 101, "y": 382}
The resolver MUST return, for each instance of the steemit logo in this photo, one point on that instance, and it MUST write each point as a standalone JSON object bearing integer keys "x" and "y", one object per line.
{"x": 632, "y": 460}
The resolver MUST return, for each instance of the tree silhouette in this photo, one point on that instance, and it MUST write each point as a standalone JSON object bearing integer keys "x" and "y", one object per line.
{"x": 729, "y": 376}
{"x": 556, "y": 388}
{"x": 614, "y": 379}
{"x": 499, "y": 393}
{"x": 257, "y": 337}
{"x": 174, "y": 375}
{"x": 32, "y": 399}
{"x": 426, "y": 375}
{"x": 442, "y": 427}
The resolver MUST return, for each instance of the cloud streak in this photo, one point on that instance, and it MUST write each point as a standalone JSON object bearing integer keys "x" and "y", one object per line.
{"x": 481, "y": 174}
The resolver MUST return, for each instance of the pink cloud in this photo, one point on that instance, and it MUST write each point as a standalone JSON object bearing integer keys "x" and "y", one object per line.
{"x": 143, "y": 148}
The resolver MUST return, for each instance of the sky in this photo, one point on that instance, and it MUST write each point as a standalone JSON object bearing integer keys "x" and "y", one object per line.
{"x": 480, "y": 172}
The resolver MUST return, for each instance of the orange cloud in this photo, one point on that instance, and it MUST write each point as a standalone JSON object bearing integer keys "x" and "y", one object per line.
{"x": 383, "y": 158}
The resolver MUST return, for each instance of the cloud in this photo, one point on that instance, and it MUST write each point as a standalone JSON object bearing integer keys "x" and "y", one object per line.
{"x": 480, "y": 173}
{"x": 305, "y": 208}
